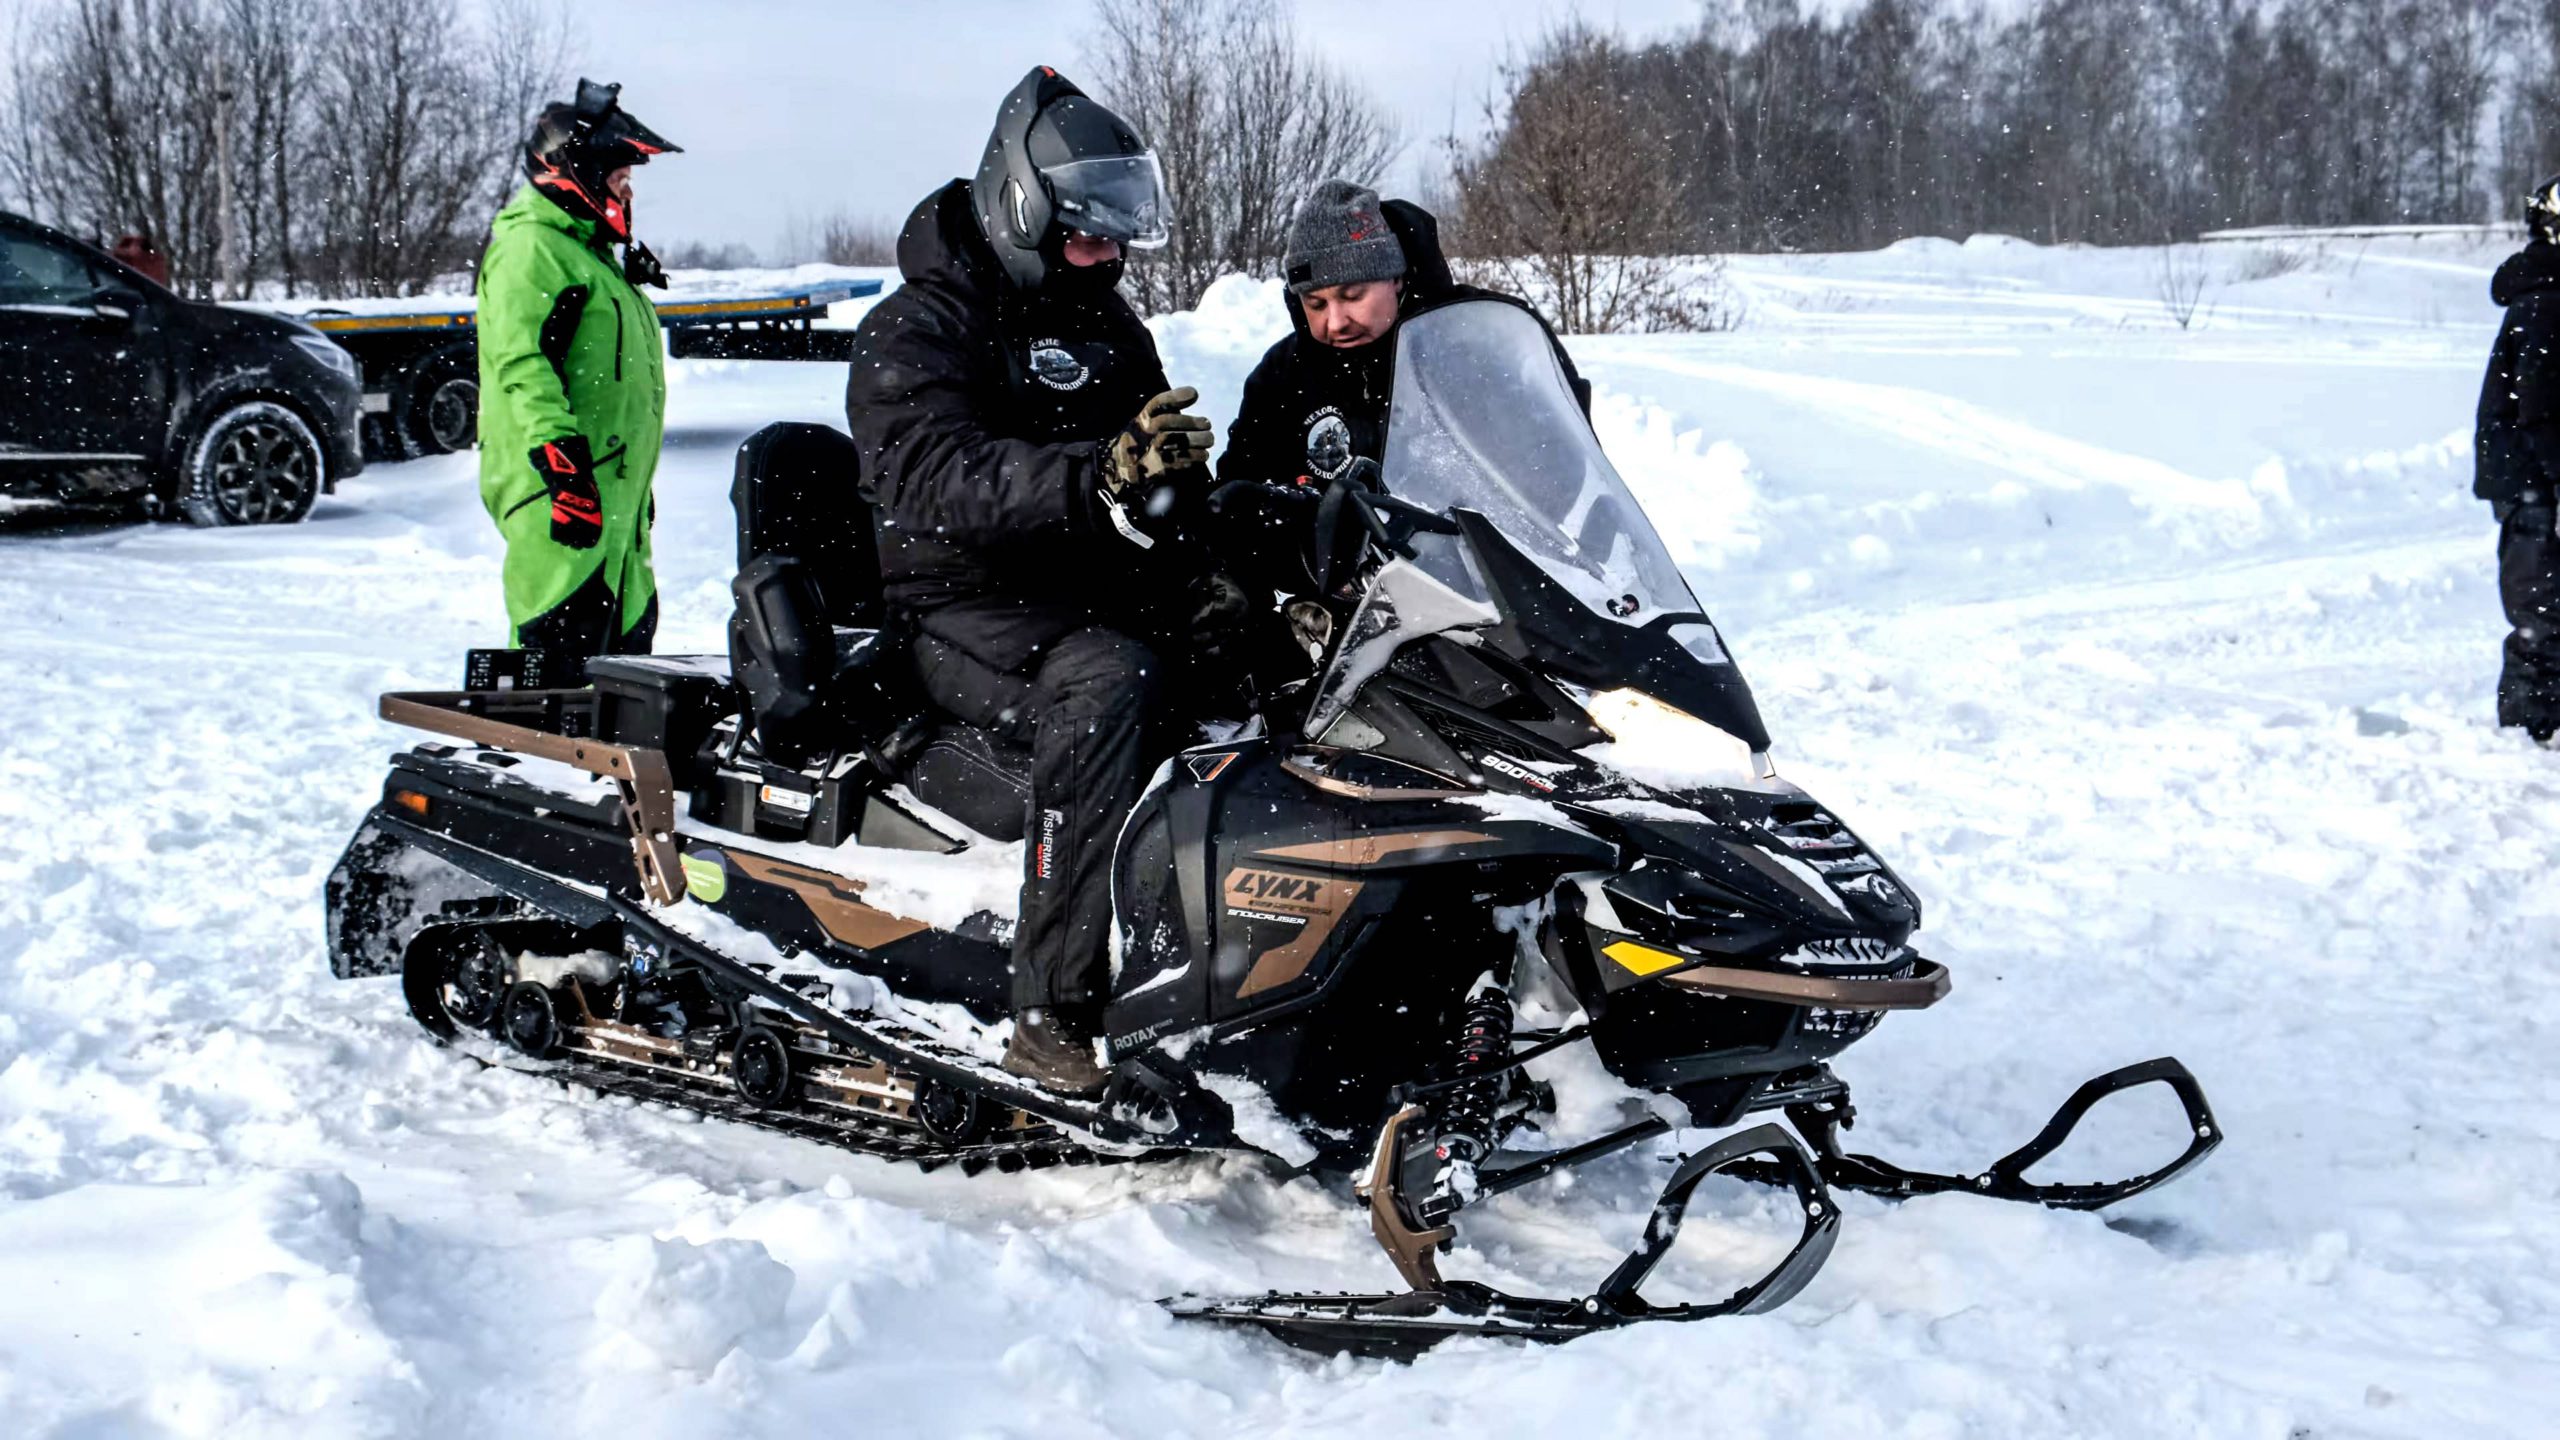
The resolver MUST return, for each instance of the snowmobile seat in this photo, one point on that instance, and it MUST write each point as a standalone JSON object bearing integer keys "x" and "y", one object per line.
{"x": 808, "y": 642}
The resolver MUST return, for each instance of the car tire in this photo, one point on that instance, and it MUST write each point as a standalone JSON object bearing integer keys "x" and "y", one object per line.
{"x": 439, "y": 403}
{"x": 255, "y": 463}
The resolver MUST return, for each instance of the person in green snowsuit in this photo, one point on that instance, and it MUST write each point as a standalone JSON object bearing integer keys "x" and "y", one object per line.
{"x": 573, "y": 387}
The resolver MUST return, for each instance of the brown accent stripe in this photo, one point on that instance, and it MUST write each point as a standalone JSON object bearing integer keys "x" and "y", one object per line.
{"x": 1925, "y": 986}
{"x": 833, "y": 899}
{"x": 1371, "y": 848}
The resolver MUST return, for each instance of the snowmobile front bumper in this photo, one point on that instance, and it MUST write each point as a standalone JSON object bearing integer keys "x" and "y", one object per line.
{"x": 2005, "y": 1179}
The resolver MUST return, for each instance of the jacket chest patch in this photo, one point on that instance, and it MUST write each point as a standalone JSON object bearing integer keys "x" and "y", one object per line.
{"x": 1328, "y": 444}
{"x": 1057, "y": 367}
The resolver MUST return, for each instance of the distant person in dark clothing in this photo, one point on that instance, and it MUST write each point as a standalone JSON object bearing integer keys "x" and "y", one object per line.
{"x": 2517, "y": 448}
{"x": 136, "y": 251}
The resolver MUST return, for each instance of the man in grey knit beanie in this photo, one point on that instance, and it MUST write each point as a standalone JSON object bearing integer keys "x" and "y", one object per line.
{"x": 1344, "y": 264}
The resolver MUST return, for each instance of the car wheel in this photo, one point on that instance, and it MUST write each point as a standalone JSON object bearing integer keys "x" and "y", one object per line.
{"x": 256, "y": 464}
{"x": 440, "y": 403}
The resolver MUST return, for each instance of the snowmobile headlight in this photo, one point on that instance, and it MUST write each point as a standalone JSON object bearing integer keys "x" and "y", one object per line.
{"x": 328, "y": 352}
{"x": 1664, "y": 737}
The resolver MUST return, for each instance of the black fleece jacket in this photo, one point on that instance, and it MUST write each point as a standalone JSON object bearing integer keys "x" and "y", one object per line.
{"x": 2517, "y": 440}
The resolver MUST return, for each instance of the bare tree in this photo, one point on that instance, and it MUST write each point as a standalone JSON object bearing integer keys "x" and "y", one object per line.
{"x": 1577, "y": 200}
{"x": 361, "y": 143}
{"x": 1244, "y": 122}
{"x": 841, "y": 238}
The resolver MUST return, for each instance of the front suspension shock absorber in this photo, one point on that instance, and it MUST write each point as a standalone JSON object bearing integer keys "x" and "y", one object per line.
{"x": 1483, "y": 1042}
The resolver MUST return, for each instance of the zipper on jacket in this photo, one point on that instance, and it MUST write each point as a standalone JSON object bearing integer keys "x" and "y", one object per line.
{"x": 617, "y": 337}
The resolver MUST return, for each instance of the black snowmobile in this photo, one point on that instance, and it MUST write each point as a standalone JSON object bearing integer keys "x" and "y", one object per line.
{"x": 1525, "y": 804}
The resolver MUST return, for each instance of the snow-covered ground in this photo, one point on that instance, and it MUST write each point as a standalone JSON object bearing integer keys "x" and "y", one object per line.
{"x": 2158, "y": 659}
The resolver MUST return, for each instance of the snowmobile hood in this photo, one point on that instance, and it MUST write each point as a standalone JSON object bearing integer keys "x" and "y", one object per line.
{"x": 531, "y": 207}
{"x": 2534, "y": 268}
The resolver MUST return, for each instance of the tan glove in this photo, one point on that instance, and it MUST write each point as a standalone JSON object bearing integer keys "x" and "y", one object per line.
{"x": 1161, "y": 442}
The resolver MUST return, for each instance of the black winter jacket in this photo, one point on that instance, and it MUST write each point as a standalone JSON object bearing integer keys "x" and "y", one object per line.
{"x": 2517, "y": 441}
{"x": 1309, "y": 409}
{"x": 980, "y": 413}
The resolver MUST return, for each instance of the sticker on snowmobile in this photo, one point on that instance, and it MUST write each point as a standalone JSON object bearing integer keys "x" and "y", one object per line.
{"x": 1309, "y": 906}
{"x": 705, "y": 878}
{"x": 1505, "y": 765}
{"x": 1053, "y": 365}
{"x": 796, "y": 801}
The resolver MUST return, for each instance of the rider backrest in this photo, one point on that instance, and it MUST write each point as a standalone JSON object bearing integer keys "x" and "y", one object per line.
{"x": 806, "y": 572}
{"x": 796, "y": 496}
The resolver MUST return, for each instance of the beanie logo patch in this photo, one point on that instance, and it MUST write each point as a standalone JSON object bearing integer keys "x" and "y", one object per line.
{"x": 1055, "y": 366}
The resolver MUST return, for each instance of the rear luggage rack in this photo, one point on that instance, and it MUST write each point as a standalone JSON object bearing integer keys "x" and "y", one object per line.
{"x": 543, "y": 724}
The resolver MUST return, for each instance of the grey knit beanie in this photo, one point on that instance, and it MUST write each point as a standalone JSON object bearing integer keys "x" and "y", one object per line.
{"x": 1340, "y": 237}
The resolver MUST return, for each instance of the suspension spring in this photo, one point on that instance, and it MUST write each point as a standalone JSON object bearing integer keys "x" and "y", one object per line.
{"x": 1483, "y": 1043}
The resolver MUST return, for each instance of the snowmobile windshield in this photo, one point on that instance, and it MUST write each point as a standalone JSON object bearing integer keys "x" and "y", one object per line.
{"x": 1484, "y": 421}
{"x": 1119, "y": 197}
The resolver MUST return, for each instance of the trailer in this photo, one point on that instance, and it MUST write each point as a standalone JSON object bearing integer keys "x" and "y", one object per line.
{"x": 421, "y": 368}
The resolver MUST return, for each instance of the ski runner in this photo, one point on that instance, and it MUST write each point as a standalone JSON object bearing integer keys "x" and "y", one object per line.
{"x": 573, "y": 387}
{"x": 1356, "y": 267}
{"x": 1013, "y": 417}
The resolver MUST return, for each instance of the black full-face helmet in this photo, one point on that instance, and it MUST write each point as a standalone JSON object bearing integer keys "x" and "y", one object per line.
{"x": 1060, "y": 163}
{"x": 2542, "y": 210}
{"x": 575, "y": 146}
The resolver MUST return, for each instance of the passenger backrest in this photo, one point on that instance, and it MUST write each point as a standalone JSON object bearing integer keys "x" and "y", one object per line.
{"x": 797, "y": 495}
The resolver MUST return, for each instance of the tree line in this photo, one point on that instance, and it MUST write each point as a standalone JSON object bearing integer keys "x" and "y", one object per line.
{"x": 326, "y": 147}
{"x": 1773, "y": 127}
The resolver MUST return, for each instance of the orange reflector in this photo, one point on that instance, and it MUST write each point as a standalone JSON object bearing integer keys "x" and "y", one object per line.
{"x": 410, "y": 800}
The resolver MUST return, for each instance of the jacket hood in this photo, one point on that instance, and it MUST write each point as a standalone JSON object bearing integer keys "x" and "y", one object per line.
{"x": 1426, "y": 270}
{"x": 531, "y": 207}
{"x": 942, "y": 244}
{"x": 2535, "y": 267}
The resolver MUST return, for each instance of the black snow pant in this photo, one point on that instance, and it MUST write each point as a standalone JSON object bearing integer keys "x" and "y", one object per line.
{"x": 582, "y": 627}
{"x": 2529, "y": 584}
{"x": 1087, "y": 705}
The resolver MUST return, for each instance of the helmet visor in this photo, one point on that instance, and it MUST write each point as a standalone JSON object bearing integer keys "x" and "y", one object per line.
{"x": 1119, "y": 197}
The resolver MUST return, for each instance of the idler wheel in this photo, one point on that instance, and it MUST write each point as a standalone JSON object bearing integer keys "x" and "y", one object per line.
{"x": 528, "y": 1022}
{"x": 948, "y": 1114}
{"x": 761, "y": 1068}
{"x": 453, "y": 983}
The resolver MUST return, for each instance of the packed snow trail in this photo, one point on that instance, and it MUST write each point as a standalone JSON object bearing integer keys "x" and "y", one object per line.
{"x": 2201, "y": 768}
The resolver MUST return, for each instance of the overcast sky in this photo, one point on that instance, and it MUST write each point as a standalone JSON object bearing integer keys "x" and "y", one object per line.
{"x": 794, "y": 108}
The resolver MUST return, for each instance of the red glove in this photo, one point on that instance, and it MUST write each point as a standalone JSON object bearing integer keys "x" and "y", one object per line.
{"x": 577, "y": 508}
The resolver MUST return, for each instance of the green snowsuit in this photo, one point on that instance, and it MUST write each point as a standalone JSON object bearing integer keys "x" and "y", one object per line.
{"x": 567, "y": 347}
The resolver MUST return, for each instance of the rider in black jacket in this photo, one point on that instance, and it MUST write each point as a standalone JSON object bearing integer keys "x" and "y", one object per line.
{"x": 2517, "y": 448}
{"x": 1013, "y": 418}
{"x": 1356, "y": 268}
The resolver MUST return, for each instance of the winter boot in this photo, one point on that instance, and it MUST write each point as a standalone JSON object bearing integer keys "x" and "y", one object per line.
{"x": 1051, "y": 1053}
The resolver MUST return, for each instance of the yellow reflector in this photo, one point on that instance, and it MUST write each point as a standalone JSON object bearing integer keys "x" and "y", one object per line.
{"x": 1642, "y": 959}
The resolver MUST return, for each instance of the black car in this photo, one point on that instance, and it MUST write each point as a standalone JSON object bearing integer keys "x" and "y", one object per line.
{"x": 112, "y": 387}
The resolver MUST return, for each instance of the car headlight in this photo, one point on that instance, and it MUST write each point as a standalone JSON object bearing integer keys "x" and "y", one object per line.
{"x": 328, "y": 352}
{"x": 1665, "y": 742}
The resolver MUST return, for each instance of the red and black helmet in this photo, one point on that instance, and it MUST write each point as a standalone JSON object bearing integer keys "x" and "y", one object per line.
{"x": 575, "y": 146}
